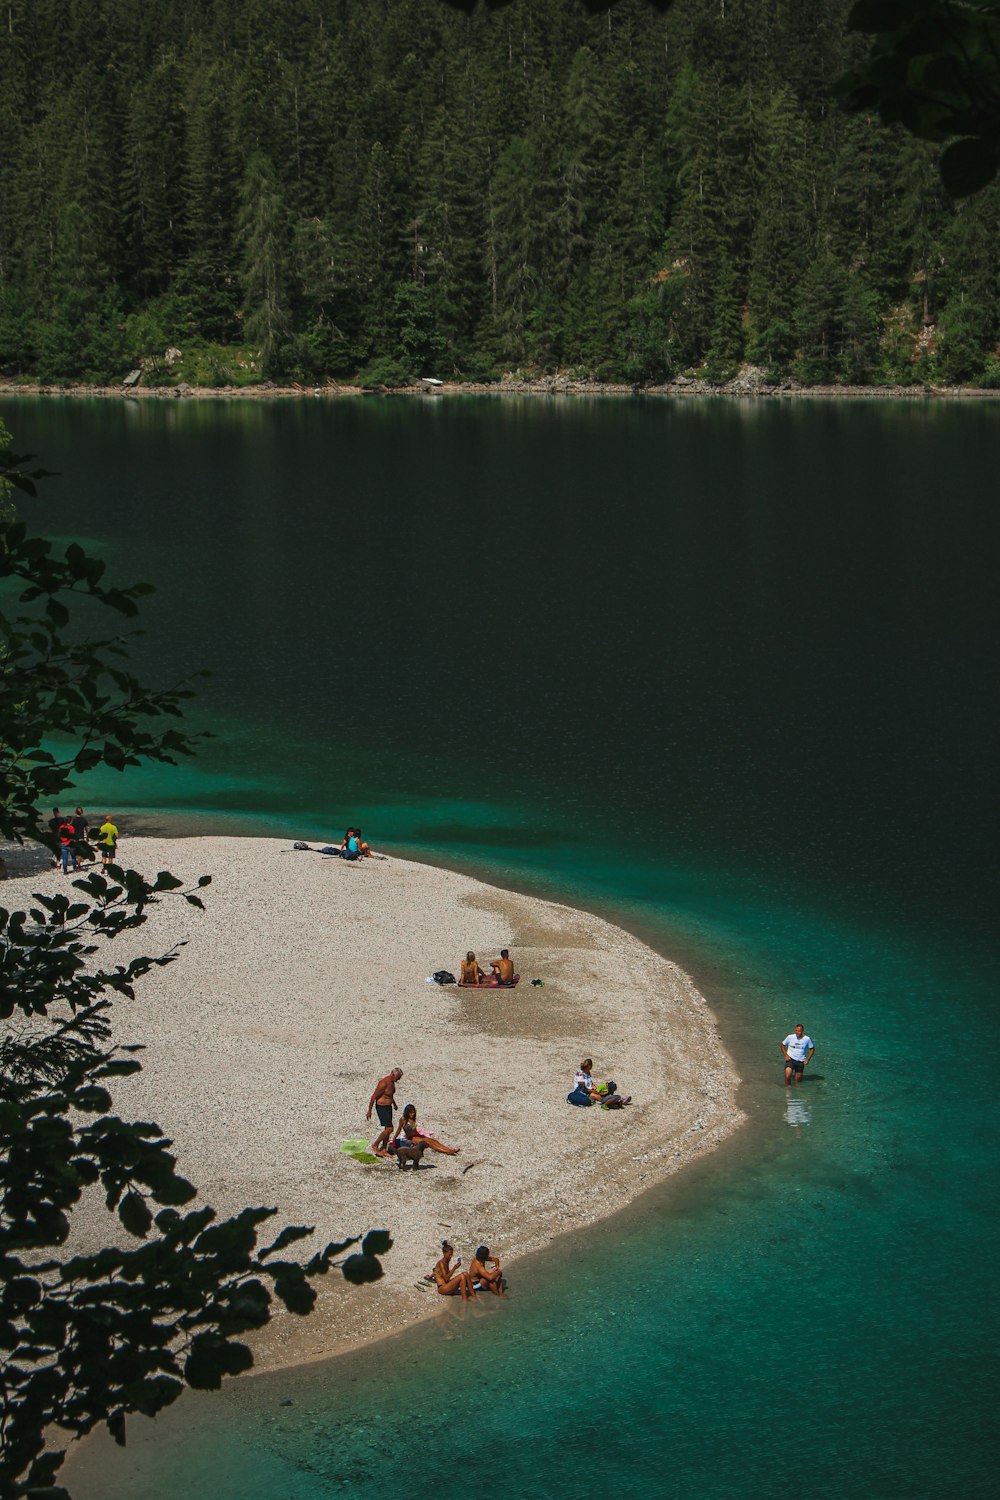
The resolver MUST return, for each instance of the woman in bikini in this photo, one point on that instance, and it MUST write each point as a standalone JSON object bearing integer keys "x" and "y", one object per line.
{"x": 409, "y": 1128}
{"x": 471, "y": 972}
{"x": 449, "y": 1283}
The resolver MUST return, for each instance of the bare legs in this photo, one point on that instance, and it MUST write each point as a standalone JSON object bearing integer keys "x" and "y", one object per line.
{"x": 455, "y": 1285}
{"x": 436, "y": 1145}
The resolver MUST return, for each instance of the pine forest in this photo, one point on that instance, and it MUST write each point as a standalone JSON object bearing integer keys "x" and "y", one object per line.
{"x": 236, "y": 191}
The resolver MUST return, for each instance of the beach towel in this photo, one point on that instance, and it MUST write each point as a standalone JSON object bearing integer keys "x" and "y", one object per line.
{"x": 361, "y": 1151}
{"x": 491, "y": 984}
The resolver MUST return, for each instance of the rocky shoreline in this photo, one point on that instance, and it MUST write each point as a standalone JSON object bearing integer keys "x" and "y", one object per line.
{"x": 749, "y": 382}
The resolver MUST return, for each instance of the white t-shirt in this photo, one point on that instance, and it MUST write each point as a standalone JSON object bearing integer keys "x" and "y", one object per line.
{"x": 583, "y": 1080}
{"x": 797, "y": 1047}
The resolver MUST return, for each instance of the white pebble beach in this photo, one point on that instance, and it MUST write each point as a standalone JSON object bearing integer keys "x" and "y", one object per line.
{"x": 305, "y": 980}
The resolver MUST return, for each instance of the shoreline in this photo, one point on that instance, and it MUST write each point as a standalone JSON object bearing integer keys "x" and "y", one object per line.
{"x": 743, "y": 386}
{"x": 541, "y": 1169}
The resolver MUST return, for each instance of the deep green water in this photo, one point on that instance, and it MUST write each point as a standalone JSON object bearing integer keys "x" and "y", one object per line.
{"x": 725, "y": 672}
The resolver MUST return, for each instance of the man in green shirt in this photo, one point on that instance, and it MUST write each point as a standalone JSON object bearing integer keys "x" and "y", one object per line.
{"x": 108, "y": 841}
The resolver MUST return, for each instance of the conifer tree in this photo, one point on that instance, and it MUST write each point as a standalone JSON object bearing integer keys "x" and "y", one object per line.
{"x": 263, "y": 240}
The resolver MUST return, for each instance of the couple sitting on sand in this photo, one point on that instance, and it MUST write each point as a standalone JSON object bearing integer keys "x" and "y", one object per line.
{"x": 585, "y": 1091}
{"x": 483, "y": 1275}
{"x": 503, "y": 975}
{"x": 353, "y": 846}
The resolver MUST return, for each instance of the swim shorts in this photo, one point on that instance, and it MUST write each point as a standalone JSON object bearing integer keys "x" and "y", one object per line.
{"x": 795, "y": 1066}
{"x": 384, "y": 1112}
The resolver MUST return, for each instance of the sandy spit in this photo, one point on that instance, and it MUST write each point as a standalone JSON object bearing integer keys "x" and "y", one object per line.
{"x": 305, "y": 979}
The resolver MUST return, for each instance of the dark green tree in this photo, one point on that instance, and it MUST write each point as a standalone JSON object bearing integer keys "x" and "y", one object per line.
{"x": 262, "y": 234}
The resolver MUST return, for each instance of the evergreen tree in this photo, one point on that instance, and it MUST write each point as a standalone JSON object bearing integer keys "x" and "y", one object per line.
{"x": 818, "y": 319}
{"x": 608, "y": 189}
{"x": 781, "y": 231}
{"x": 262, "y": 233}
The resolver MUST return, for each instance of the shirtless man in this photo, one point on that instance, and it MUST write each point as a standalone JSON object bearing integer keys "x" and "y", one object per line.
{"x": 503, "y": 967}
{"x": 485, "y": 1269}
{"x": 383, "y": 1101}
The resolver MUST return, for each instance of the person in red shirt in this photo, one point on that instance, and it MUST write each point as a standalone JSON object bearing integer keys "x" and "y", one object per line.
{"x": 67, "y": 838}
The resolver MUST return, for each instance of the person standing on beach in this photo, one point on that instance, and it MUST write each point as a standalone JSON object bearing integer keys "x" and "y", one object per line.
{"x": 108, "y": 840}
{"x": 796, "y": 1049}
{"x": 383, "y": 1101}
{"x": 67, "y": 834}
{"x": 79, "y": 830}
{"x": 55, "y": 823}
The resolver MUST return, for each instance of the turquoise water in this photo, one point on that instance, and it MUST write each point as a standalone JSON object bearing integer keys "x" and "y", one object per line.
{"x": 724, "y": 672}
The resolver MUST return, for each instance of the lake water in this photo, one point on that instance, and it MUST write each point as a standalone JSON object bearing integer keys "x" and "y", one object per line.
{"x": 725, "y": 672}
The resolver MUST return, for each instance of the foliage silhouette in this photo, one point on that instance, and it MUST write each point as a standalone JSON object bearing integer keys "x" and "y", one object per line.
{"x": 87, "y": 1338}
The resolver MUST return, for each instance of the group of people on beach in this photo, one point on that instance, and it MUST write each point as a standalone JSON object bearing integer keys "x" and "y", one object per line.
{"x": 502, "y": 977}
{"x": 73, "y": 834}
{"x": 484, "y": 1273}
{"x": 585, "y": 1091}
{"x": 407, "y": 1141}
{"x": 407, "y": 1144}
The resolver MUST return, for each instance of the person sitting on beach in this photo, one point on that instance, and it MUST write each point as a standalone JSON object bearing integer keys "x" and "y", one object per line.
{"x": 353, "y": 846}
{"x": 451, "y": 1281}
{"x": 503, "y": 968}
{"x": 584, "y": 1089}
{"x": 383, "y": 1101}
{"x": 406, "y": 1151}
{"x": 471, "y": 972}
{"x": 409, "y": 1128}
{"x": 610, "y": 1097}
{"x": 485, "y": 1272}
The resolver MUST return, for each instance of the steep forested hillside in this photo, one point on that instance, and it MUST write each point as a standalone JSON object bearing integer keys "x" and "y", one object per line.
{"x": 303, "y": 188}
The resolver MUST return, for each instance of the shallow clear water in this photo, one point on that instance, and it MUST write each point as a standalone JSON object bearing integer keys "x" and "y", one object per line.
{"x": 725, "y": 672}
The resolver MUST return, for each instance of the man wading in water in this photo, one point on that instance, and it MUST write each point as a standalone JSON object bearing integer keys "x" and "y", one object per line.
{"x": 383, "y": 1101}
{"x": 796, "y": 1049}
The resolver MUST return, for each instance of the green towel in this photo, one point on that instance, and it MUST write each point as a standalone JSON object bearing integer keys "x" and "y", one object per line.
{"x": 360, "y": 1151}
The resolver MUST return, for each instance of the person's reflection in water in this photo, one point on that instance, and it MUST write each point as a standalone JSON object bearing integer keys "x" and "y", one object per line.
{"x": 797, "y": 1112}
{"x": 454, "y": 1311}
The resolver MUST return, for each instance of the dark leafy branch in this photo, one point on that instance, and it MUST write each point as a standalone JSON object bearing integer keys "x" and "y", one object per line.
{"x": 92, "y": 1337}
{"x": 934, "y": 68}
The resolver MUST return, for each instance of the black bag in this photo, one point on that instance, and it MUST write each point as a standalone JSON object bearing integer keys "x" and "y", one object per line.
{"x": 443, "y": 976}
